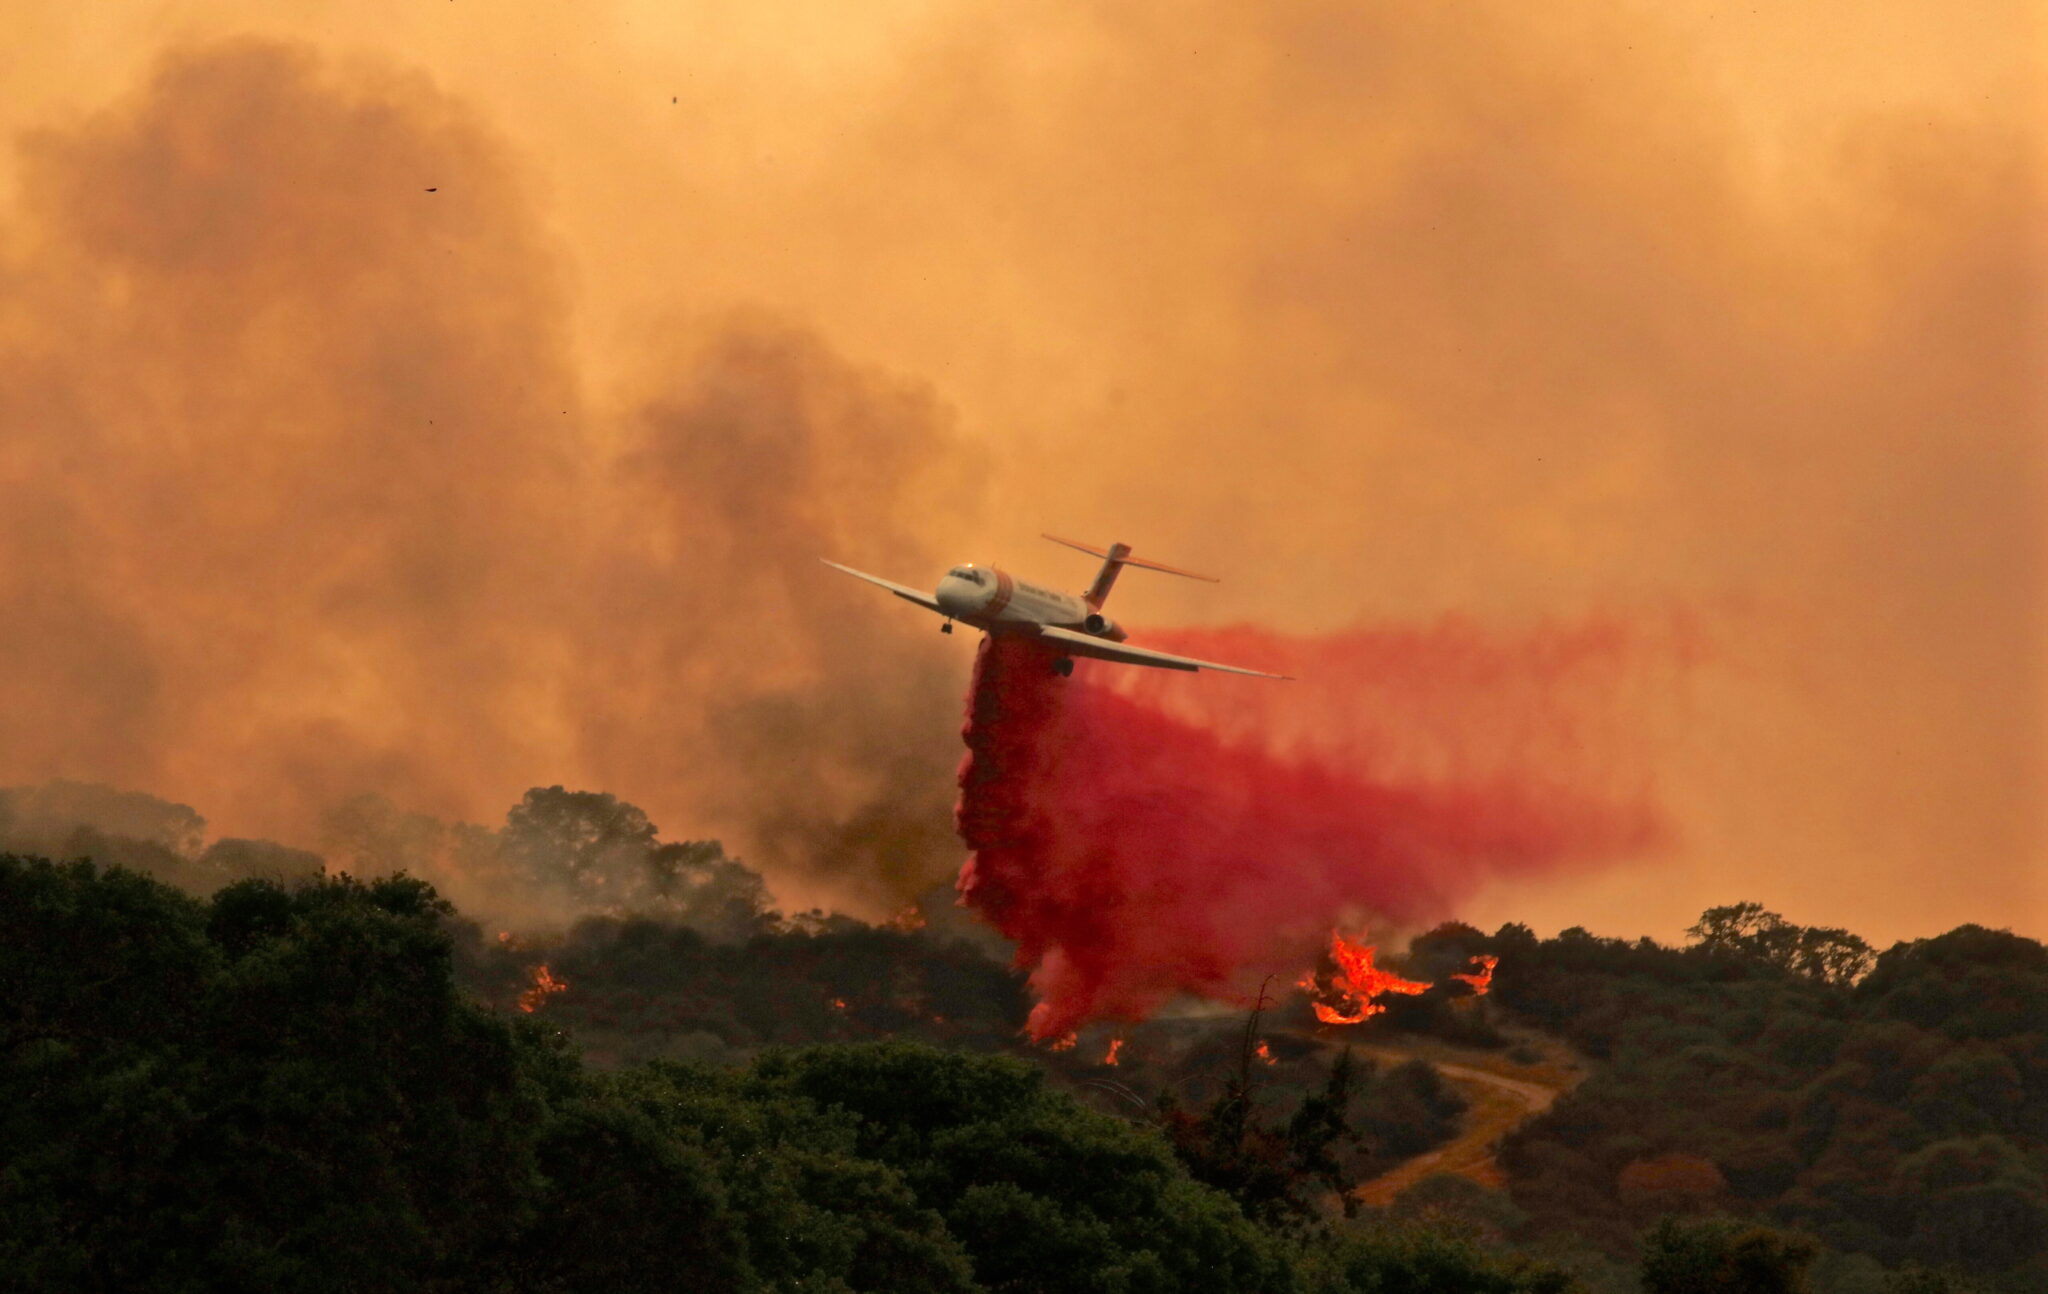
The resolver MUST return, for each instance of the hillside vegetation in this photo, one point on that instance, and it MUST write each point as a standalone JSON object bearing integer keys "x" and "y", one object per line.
{"x": 285, "y": 1089}
{"x": 302, "y": 1080}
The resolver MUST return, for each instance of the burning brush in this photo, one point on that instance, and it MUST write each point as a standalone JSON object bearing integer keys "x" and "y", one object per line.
{"x": 1355, "y": 984}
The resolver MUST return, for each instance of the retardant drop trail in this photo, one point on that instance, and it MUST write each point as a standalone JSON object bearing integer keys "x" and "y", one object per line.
{"x": 1132, "y": 851}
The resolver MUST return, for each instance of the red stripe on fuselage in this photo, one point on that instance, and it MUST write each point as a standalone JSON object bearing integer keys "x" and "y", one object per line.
{"x": 1005, "y": 587}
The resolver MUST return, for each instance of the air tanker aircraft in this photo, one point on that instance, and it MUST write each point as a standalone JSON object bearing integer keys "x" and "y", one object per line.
{"x": 996, "y": 602}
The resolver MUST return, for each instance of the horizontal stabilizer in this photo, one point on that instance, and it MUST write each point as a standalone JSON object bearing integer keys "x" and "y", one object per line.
{"x": 1142, "y": 564}
{"x": 1124, "y": 558}
{"x": 1089, "y": 549}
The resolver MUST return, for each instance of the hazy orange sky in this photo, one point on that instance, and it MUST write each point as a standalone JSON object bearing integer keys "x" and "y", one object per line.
{"x": 314, "y": 482}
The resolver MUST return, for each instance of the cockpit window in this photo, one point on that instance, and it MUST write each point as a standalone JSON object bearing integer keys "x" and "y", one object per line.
{"x": 968, "y": 573}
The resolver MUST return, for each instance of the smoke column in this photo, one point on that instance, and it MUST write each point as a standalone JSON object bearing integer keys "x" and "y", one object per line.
{"x": 304, "y": 496}
{"x": 438, "y": 401}
{"x": 1140, "y": 835}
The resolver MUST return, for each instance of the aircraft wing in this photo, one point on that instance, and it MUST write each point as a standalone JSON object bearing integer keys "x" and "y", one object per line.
{"x": 1079, "y": 644}
{"x": 904, "y": 591}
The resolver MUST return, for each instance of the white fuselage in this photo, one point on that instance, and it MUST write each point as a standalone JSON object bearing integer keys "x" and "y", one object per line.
{"x": 994, "y": 600}
{"x": 1066, "y": 625}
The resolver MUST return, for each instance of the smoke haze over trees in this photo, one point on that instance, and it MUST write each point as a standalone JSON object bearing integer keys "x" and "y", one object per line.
{"x": 561, "y": 854}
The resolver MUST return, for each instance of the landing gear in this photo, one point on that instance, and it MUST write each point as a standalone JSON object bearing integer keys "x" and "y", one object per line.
{"x": 1064, "y": 667}
{"x": 946, "y": 628}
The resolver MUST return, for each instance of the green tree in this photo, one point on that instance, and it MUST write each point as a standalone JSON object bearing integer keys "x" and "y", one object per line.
{"x": 1826, "y": 954}
{"x": 1044, "y": 1193}
{"x": 601, "y": 851}
{"x": 1719, "y": 1256}
{"x": 628, "y": 1206}
{"x": 589, "y": 841}
{"x": 1832, "y": 955}
{"x": 282, "y": 1088}
{"x": 1404, "y": 1259}
{"x": 1977, "y": 1203}
{"x": 815, "y": 1212}
{"x": 1320, "y": 1132}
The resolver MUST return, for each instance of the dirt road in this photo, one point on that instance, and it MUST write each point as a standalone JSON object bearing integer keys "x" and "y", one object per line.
{"x": 1499, "y": 1102}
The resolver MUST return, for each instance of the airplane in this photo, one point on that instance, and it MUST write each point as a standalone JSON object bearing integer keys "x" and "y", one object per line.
{"x": 996, "y": 602}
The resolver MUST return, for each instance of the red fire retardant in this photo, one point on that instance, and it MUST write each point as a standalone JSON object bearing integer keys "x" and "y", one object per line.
{"x": 1140, "y": 834}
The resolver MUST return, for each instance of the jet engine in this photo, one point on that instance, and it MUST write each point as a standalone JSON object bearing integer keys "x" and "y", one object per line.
{"x": 1103, "y": 627}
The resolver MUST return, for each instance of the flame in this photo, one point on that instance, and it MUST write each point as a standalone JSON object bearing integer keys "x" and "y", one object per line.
{"x": 838, "y": 1004}
{"x": 1065, "y": 1042}
{"x": 544, "y": 986}
{"x": 1482, "y": 979}
{"x": 909, "y": 919}
{"x": 1115, "y": 1045}
{"x": 1265, "y": 1053}
{"x": 1356, "y": 983}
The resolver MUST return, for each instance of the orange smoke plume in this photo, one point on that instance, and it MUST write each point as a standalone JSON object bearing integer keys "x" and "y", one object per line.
{"x": 250, "y": 313}
{"x": 315, "y": 482}
{"x": 1356, "y": 983}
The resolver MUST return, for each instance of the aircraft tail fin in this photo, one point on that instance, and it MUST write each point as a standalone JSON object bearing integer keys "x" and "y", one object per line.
{"x": 1114, "y": 559}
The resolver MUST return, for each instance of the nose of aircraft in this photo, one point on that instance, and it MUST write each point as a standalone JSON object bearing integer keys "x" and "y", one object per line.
{"x": 954, "y": 595}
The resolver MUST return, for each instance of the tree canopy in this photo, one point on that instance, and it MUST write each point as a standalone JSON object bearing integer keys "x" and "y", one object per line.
{"x": 302, "y": 1084}
{"x": 284, "y": 1087}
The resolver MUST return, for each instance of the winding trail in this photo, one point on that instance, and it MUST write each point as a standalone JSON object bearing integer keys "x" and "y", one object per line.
{"x": 1499, "y": 1103}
